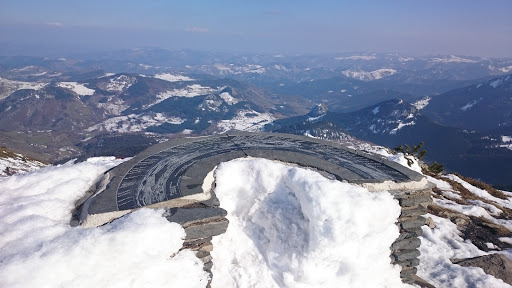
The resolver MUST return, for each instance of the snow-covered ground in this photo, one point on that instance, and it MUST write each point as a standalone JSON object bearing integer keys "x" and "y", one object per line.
{"x": 420, "y": 104}
{"x": 120, "y": 83}
{"x": 78, "y": 88}
{"x": 134, "y": 123}
{"x": 7, "y": 87}
{"x": 246, "y": 121}
{"x": 11, "y": 163}
{"x": 189, "y": 91}
{"x": 289, "y": 227}
{"x": 369, "y": 75}
{"x": 453, "y": 59}
{"x": 357, "y": 57}
{"x": 173, "y": 78}
{"x": 38, "y": 248}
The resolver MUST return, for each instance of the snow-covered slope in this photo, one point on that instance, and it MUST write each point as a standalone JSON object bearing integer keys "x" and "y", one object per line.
{"x": 14, "y": 163}
{"x": 7, "y": 87}
{"x": 481, "y": 107}
{"x": 369, "y": 75}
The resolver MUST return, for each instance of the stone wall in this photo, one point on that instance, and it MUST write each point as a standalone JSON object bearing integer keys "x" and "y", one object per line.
{"x": 404, "y": 251}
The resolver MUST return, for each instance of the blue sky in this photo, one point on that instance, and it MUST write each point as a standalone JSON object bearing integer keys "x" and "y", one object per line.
{"x": 480, "y": 28}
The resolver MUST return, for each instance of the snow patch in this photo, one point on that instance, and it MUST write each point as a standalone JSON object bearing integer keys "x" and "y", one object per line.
{"x": 7, "y": 87}
{"x": 369, "y": 76}
{"x": 246, "y": 120}
{"x": 453, "y": 59}
{"x": 469, "y": 105}
{"x": 420, "y": 104}
{"x": 291, "y": 227}
{"x": 357, "y": 57}
{"x": 120, "y": 83}
{"x": 172, "y": 78}
{"x": 443, "y": 243}
{"x": 400, "y": 126}
{"x": 376, "y": 110}
{"x": 78, "y": 88}
{"x": 496, "y": 83}
{"x": 230, "y": 100}
{"x": 134, "y": 123}
{"x": 189, "y": 91}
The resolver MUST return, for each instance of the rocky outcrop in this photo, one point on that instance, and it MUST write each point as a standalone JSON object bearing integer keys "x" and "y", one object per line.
{"x": 496, "y": 265}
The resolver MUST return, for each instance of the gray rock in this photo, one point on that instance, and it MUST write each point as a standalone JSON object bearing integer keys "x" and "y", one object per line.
{"x": 406, "y": 244}
{"x": 207, "y": 229}
{"x": 430, "y": 223}
{"x": 496, "y": 265}
{"x": 189, "y": 216}
{"x": 405, "y": 255}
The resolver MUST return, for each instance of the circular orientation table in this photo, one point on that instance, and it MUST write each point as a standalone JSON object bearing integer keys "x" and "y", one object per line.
{"x": 171, "y": 174}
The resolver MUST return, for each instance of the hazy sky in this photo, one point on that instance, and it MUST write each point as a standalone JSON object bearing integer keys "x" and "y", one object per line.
{"x": 479, "y": 28}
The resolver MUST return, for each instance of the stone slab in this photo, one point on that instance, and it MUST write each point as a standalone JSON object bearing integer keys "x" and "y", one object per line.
{"x": 171, "y": 174}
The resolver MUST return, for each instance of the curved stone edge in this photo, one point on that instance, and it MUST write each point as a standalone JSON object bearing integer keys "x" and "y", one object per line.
{"x": 106, "y": 200}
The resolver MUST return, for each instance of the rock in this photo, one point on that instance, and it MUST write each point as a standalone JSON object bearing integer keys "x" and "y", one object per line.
{"x": 496, "y": 265}
{"x": 430, "y": 223}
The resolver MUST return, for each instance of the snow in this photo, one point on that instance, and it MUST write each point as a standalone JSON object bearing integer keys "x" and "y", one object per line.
{"x": 120, "y": 83}
{"x": 506, "y": 140}
{"x": 357, "y": 57}
{"x": 189, "y": 91}
{"x": 291, "y": 227}
{"x": 481, "y": 193}
{"x": 420, "y": 104}
{"x": 506, "y": 69}
{"x": 376, "y": 110}
{"x": 453, "y": 59}
{"x": 313, "y": 119}
{"x": 469, "y": 105}
{"x": 246, "y": 120}
{"x": 79, "y": 89}
{"x": 113, "y": 108}
{"x": 134, "y": 122}
{"x": 7, "y": 87}
{"x": 496, "y": 83}
{"x": 398, "y": 157}
{"x": 39, "y": 248}
{"x": 400, "y": 126}
{"x": 230, "y": 100}
{"x": 17, "y": 163}
{"x": 369, "y": 76}
{"x": 443, "y": 243}
{"x": 172, "y": 78}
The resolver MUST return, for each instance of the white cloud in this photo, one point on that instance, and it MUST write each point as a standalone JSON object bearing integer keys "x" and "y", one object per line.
{"x": 197, "y": 30}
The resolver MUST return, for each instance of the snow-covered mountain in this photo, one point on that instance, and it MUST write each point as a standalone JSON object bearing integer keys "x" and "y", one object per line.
{"x": 396, "y": 122}
{"x": 484, "y": 106}
{"x": 165, "y": 103}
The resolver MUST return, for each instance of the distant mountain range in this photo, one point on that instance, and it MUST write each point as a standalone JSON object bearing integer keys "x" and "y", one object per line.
{"x": 484, "y": 153}
{"x": 121, "y": 102}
